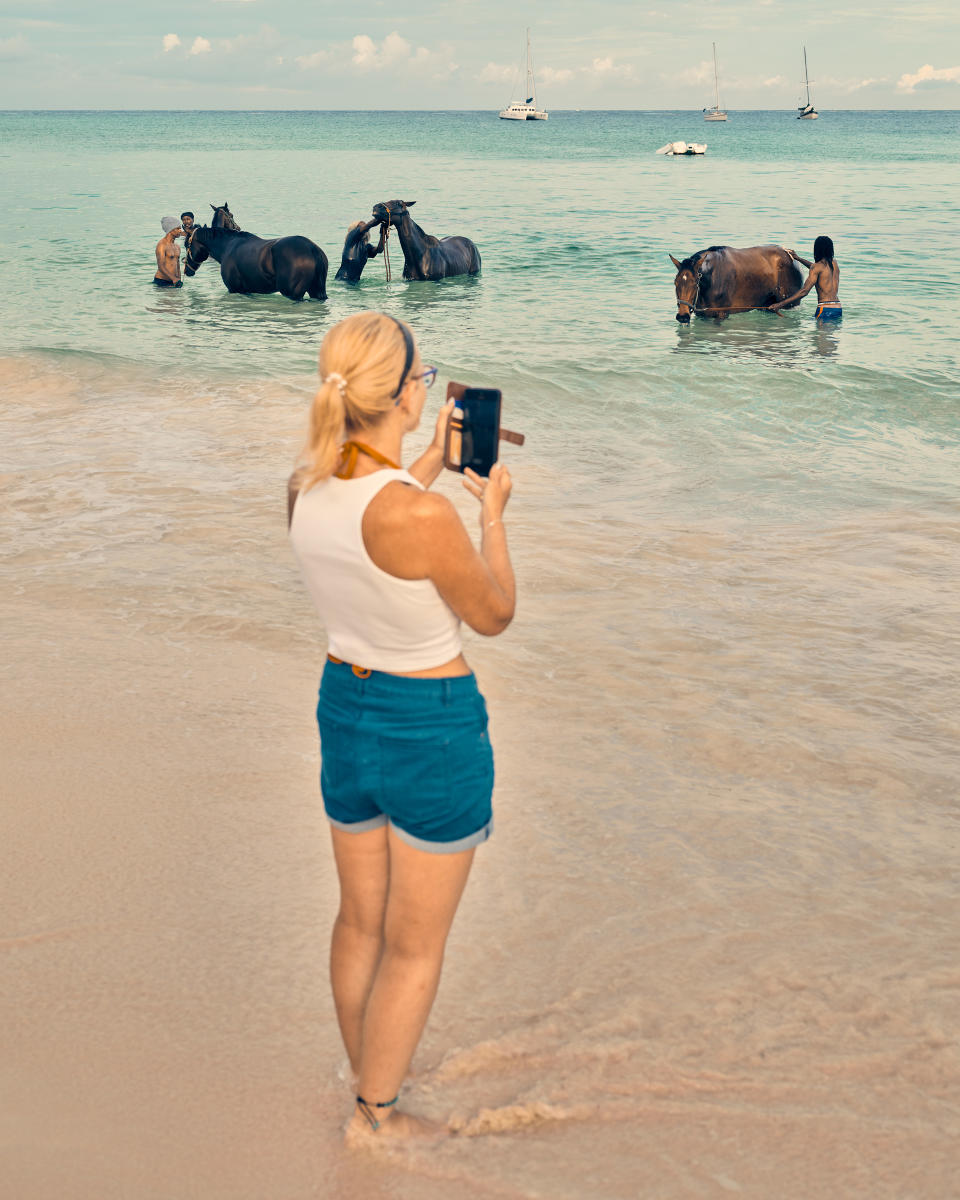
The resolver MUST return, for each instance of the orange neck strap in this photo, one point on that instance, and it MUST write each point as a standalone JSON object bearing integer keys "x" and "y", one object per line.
{"x": 352, "y": 451}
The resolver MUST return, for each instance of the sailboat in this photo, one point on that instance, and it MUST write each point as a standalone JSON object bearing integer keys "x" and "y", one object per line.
{"x": 716, "y": 113}
{"x": 806, "y": 112}
{"x": 526, "y": 110}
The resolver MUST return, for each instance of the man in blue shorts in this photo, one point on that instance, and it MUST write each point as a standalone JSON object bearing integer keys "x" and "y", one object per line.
{"x": 824, "y": 276}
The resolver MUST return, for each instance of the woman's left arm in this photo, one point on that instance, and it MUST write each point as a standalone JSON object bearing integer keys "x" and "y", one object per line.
{"x": 430, "y": 463}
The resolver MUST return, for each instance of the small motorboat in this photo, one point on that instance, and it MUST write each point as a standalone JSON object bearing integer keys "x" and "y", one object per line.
{"x": 679, "y": 148}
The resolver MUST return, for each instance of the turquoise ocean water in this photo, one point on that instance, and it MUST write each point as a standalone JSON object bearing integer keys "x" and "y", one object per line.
{"x": 727, "y": 706}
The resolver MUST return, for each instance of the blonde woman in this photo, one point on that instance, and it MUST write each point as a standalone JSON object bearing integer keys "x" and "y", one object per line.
{"x": 406, "y": 764}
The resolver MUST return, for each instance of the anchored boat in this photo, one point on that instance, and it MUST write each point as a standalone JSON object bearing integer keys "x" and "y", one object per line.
{"x": 806, "y": 112}
{"x": 716, "y": 113}
{"x": 526, "y": 110}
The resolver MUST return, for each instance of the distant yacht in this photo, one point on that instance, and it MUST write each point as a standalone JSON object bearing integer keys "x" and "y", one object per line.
{"x": 526, "y": 110}
{"x": 806, "y": 112}
{"x": 716, "y": 113}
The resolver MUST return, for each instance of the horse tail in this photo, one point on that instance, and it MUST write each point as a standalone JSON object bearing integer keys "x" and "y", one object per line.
{"x": 318, "y": 288}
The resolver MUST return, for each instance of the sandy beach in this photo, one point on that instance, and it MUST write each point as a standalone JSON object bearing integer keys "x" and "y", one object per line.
{"x": 167, "y": 891}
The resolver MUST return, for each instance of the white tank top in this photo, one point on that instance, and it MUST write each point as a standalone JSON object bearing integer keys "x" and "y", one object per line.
{"x": 372, "y": 618}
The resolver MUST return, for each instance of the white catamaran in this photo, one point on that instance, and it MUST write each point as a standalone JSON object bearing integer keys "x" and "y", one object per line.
{"x": 806, "y": 112}
{"x": 716, "y": 113}
{"x": 526, "y": 110}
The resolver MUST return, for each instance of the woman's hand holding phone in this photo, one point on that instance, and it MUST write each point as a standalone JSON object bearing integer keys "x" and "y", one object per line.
{"x": 440, "y": 433}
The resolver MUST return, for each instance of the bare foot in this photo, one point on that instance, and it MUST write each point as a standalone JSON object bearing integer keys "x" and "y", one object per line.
{"x": 397, "y": 1128}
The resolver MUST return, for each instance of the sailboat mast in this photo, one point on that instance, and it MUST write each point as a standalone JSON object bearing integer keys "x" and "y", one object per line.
{"x": 531, "y": 86}
{"x": 806, "y": 75}
{"x": 716, "y": 77}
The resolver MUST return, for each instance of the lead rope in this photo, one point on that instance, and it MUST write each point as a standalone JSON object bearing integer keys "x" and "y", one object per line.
{"x": 386, "y": 249}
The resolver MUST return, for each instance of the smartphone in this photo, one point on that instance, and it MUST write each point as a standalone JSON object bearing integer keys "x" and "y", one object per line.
{"x": 473, "y": 431}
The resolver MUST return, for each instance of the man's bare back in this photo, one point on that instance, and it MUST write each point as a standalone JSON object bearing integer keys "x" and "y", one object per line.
{"x": 824, "y": 276}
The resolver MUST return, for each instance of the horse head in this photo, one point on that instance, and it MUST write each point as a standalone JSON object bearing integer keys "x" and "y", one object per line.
{"x": 391, "y": 211}
{"x": 197, "y": 250}
{"x": 687, "y": 287}
{"x": 223, "y": 217}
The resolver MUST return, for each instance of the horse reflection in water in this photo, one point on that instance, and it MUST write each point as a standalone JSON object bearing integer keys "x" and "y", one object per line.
{"x": 250, "y": 265}
{"x": 722, "y": 280}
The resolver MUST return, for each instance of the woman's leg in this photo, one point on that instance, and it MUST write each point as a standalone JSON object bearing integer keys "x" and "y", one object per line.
{"x": 363, "y": 865}
{"x": 424, "y": 891}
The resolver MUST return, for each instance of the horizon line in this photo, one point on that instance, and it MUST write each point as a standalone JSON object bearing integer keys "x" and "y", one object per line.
{"x": 458, "y": 110}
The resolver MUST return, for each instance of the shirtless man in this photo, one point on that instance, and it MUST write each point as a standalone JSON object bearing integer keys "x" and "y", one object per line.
{"x": 168, "y": 255}
{"x": 824, "y": 276}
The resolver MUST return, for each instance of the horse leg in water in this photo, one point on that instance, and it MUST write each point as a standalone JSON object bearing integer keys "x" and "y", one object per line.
{"x": 232, "y": 276}
{"x": 299, "y": 267}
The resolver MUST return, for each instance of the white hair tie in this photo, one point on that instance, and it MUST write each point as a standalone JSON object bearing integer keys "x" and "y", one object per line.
{"x": 338, "y": 379}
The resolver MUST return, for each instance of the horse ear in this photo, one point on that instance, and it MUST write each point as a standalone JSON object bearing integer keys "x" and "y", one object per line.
{"x": 409, "y": 203}
{"x": 214, "y": 207}
{"x": 674, "y": 261}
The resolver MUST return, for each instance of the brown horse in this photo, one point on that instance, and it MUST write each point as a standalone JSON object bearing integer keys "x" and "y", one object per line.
{"x": 721, "y": 280}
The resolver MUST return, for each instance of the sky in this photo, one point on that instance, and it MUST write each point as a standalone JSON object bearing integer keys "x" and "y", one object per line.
{"x": 415, "y": 54}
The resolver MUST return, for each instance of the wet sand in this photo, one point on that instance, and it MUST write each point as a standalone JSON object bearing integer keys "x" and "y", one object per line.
{"x": 711, "y": 949}
{"x": 167, "y": 890}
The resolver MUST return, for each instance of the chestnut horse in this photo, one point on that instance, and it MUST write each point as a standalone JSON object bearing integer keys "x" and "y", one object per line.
{"x": 721, "y": 280}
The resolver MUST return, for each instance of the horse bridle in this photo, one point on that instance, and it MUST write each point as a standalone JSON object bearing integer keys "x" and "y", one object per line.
{"x": 191, "y": 263}
{"x": 696, "y": 295}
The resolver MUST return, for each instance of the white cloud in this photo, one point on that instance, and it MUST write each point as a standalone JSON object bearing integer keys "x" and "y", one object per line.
{"x": 928, "y": 74}
{"x": 493, "y": 73}
{"x": 392, "y": 51}
{"x": 774, "y": 81}
{"x": 15, "y": 47}
{"x": 549, "y": 75}
{"x": 606, "y": 66}
{"x": 200, "y": 46}
{"x": 694, "y": 75}
{"x": 170, "y": 42}
{"x": 310, "y": 62}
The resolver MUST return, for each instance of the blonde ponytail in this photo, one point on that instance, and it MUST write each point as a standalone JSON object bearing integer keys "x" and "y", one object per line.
{"x": 362, "y": 362}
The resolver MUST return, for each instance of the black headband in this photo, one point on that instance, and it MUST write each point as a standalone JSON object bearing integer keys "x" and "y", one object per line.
{"x": 407, "y": 355}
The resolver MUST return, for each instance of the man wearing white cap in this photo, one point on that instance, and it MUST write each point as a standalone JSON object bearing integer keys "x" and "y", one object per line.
{"x": 168, "y": 254}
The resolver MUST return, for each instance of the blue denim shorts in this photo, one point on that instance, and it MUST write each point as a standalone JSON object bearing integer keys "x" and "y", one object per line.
{"x": 411, "y": 752}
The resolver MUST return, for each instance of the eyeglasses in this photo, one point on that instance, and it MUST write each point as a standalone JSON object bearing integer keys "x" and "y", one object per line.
{"x": 428, "y": 376}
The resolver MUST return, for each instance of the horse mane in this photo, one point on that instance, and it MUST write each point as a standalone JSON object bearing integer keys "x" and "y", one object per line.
{"x": 691, "y": 263}
{"x": 217, "y": 233}
{"x": 427, "y": 237}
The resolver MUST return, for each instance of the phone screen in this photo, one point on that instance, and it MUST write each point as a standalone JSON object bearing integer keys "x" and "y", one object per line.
{"x": 476, "y": 424}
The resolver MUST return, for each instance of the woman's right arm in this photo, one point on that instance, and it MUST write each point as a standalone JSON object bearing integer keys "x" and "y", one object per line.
{"x": 422, "y": 537}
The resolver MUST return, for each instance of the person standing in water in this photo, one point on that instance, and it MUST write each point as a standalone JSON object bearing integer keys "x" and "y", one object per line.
{"x": 189, "y": 228}
{"x": 824, "y": 276}
{"x": 406, "y": 762}
{"x": 168, "y": 255}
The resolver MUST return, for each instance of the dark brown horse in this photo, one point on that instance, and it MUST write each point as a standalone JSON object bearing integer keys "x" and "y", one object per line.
{"x": 293, "y": 266}
{"x": 723, "y": 280}
{"x": 425, "y": 256}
